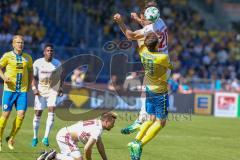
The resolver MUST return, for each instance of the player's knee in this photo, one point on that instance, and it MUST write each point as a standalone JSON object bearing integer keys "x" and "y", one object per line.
{"x": 6, "y": 115}
{"x": 51, "y": 109}
{"x": 152, "y": 118}
{"x": 161, "y": 122}
{"x": 21, "y": 116}
{"x": 38, "y": 113}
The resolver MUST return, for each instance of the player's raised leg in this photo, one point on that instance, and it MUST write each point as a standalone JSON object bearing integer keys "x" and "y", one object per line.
{"x": 143, "y": 116}
{"x": 151, "y": 128}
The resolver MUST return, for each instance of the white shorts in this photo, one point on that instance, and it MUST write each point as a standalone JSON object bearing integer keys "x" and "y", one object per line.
{"x": 143, "y": 115}
{"x": 42, "y": 102}
{"x": 66, "y": 145}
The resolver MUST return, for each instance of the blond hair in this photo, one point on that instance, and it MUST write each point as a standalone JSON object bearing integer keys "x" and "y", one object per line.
{"x": 17, "y": 36}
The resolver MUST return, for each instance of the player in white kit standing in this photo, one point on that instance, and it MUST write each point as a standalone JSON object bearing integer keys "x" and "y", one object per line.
{"x": 151, "y": 21}
{"x": 46, "y": 89}
{"x": 88, "y": 133}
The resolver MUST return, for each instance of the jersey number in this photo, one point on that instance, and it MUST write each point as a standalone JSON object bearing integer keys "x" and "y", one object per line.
{"x": 87, "y": 123}
{"x": 148, "y": 65}
{"x": 163, "y": 39}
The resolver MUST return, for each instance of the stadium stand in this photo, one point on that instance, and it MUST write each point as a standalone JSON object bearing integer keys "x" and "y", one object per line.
{"x": 198, "y": 52}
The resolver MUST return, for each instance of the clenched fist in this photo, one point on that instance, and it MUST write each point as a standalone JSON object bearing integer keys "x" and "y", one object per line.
{"x": 117, "y": 18}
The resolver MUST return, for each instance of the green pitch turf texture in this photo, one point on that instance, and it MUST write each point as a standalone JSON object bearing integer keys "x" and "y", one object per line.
{"x": 186, "y": 137}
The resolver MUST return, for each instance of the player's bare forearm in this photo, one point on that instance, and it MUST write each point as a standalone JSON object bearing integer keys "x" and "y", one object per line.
{"x": 1, "y": 73}
{"x": 101, "y": 149}
{"x": 34, "y": 82}
{"x": 34, "y": 85}
{"x": 118, "y": 19}
{"x": 60, "y": 90}
{"x": 124, "y": 29}
{"x": 88, "y": 154}
{"x": 136, "y": 35}
{"x": 88, "y": 148}
{"x": 137, "y": 19}
{"x": 30, "y": 79}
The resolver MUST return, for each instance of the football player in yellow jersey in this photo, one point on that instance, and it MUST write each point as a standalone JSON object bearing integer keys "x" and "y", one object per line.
{"x": 157, "y": 71}
{"x": 17, "y": 77}
{"x": 150, "y": 24}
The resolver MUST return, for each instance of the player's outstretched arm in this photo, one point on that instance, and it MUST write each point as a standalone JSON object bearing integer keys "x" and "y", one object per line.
{"x": 137, "y": 19}
{"x": 101, "y": 149}
{"x": 126, "y": 31}
{"x": 88, "y": 148}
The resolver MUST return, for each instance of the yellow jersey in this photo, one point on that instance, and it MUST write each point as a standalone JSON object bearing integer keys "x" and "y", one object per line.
{"x": 17, "y": 67}
{"x": 157, "y": 68}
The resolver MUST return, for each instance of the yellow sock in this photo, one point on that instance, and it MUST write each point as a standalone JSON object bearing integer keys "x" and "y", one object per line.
{"x": 143, "y": 129}
{"x": 17, "y": 123}
{"x": 151, "y": 133}
{"x": 3, "y": 123}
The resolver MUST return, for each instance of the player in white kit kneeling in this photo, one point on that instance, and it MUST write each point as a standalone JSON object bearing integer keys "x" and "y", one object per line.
{"x": 87, "y": 132}
{"x": 46, "y": 89}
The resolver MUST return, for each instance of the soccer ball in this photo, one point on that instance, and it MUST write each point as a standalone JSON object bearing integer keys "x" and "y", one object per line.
{"x": 151, "y": 14}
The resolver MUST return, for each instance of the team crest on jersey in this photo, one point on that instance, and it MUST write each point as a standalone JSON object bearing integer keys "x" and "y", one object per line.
{"x": 5, "y": 106}
{"x": 19, "y": 66}
{"x": 26, "y": 59}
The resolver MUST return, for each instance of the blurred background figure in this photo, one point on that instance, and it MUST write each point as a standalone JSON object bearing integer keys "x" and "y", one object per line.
{"x": 132, "y": 82}
{"x": 77, "y": 78}
{"x": 235, "y": 86}
{"x": 173, "y": 86}
{"x": 185, "y": 87}
{"x": 113, "y": 84}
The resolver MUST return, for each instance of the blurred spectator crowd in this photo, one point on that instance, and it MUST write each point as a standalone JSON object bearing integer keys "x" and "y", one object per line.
{"x": 16, "y": 17}
{"x": 197, "y": 53}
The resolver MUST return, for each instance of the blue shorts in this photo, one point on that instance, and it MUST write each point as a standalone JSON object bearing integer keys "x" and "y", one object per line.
{"x": 18, "y": 98}
{"x": 157, "y": 104}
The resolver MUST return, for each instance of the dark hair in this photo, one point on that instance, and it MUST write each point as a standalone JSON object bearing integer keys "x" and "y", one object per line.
{"x": 151, "y": 3}
{"x": 48, "y": 45}
{"x": 151, "y": 41}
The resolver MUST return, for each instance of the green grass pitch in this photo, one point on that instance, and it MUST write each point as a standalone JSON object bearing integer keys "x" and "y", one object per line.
{"x": 184, "y": 138}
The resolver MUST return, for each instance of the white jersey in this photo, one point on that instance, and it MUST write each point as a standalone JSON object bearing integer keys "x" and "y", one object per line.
{"x": 160, "y": 28}
{"x": 48, "y": 84}
{"x": 87, "y": 129}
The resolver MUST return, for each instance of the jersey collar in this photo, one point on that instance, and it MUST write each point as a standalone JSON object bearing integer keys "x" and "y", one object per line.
{"x": 16, "y": 53}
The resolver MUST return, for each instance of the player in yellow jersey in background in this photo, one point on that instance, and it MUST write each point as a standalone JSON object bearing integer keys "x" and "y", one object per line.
{"x": 17, "y": 77}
